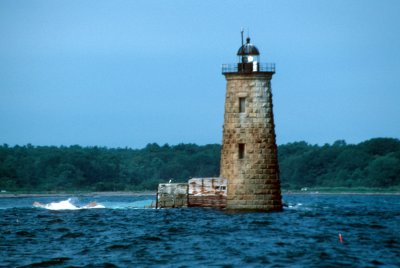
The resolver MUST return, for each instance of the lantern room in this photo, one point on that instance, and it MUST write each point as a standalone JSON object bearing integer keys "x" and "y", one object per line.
{"x": 249, "y": 57}
{"x": 248, "y": 61}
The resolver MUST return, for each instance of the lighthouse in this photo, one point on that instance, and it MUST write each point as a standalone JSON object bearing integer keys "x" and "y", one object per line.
{"x": 249, "y": 159}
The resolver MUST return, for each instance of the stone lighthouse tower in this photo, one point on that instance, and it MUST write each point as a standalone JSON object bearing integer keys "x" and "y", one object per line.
{"x": 249, "y": 153}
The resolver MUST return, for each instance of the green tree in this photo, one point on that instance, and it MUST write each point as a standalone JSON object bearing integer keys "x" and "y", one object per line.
{"x": 384, "y": 171}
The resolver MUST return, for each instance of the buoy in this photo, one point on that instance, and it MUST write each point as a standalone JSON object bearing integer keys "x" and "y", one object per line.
{"x": 340, "y": 238}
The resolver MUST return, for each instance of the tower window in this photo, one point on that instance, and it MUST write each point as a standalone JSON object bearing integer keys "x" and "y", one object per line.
{"x": 241, "y": 150}
{"x": 242, "y": 105}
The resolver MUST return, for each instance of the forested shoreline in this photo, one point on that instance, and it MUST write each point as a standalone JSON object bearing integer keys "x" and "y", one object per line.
{"x": 374, "y": 163}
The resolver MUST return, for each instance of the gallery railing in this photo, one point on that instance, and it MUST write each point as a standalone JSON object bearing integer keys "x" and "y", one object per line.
{"x": 256, "y": 68}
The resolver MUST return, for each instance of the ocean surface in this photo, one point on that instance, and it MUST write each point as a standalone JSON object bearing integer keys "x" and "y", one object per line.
{"x": 313, "y": 231}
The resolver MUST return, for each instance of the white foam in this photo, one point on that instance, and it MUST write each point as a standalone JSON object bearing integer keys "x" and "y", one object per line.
{"x": 295, "y": 206}
{"x": 65, "y": 205}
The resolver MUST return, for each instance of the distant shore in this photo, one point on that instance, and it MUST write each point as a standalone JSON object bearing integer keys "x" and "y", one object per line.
{"x": 343, "y": 191}
{"x": 338, "y": 193}
{"x": 153, "y": 193}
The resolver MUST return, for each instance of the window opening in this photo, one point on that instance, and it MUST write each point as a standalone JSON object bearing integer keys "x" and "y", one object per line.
{"x": 242, "y": 105}
{"x": 241, "y": 150}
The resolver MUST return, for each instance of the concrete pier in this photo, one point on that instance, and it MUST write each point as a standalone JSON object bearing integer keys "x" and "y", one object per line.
{"x": 172, "y": 195}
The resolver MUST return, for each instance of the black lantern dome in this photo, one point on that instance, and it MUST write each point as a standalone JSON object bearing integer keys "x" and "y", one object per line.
{"x": 248, "y": 49}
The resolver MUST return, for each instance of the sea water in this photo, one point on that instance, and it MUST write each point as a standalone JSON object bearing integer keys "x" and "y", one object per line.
{"x": 312, "y": 231}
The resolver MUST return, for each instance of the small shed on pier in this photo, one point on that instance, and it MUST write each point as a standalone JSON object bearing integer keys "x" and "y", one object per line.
{"x": 207, "y": 192}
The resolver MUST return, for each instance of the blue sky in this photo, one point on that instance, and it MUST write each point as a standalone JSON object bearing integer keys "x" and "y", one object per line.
{"x": 127, "y": 73}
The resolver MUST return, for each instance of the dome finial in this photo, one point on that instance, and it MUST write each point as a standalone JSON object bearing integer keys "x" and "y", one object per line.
{"x": 241, "y": 33}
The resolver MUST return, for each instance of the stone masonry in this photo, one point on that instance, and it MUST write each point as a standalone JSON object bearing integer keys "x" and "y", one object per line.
{"x": 249, "y": 152}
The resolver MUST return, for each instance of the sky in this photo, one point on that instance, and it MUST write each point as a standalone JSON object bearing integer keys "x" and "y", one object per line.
{"x": 127, "y": 73}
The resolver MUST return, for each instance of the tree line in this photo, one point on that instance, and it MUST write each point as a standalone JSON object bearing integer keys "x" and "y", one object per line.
{"x": 373, "y": 163}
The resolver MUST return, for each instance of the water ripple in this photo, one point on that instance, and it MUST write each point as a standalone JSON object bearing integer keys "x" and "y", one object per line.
{"x": 305, "y": 235}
